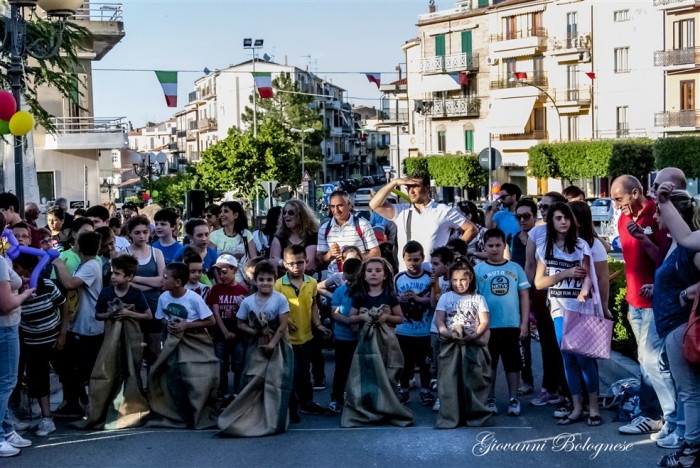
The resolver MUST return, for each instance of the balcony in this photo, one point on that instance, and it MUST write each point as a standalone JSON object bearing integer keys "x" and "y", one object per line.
{"x": 536, "y": 79}
{"x": 207, "y": 92}
{"x": 106, "y": 23}
{"x": 449, "y": 63}
{"x": 675, "y": 4}
{"x": 194, "y": 156}
{"x": 459, "y": 9}
{"x": 195, "y": 97}
{"x": 192, "y": 134}
{"x": 88, "y": 133}
{"x": 571, "y": 48}
{"x": 680, "y": 120}
{"x": 533, "y": 135}
{"x": 193, "y": 125}
{"x": 172, "y": 146}
{"x": 206, "y": 124}
{"x": 181, "y": 134}
{"x": 518, "y": 43}
{"x": 571, "y": 101}
{"x": 462, "y": 107}
{"x": 394, "y": 117}
{"x": 681, "y": 58}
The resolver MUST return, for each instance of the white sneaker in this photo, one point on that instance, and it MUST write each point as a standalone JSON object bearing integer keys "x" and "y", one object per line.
{"x": 663, "y": 433}
{"x": 46, "y": 427}
{"x": 19, "y": 425}
{"x": 641, "y": 425}
{"x": 7, "y": 450}
{"x": 513, "y": 407}
{"x": 436, "y": 406}
{"x": 17, "y": 440}
{"x": 672, "y": 441}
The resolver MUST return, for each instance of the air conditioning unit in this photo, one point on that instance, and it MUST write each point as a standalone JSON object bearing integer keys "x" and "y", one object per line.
{"x": 492, "y": 60}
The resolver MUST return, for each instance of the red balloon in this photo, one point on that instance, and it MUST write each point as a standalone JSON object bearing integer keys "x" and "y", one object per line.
{"x": 8, "y": 105}
{"x": 145, "y": 197}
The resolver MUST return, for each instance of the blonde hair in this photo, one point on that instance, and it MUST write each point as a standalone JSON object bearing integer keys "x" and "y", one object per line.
{"x": 306, "y": 225}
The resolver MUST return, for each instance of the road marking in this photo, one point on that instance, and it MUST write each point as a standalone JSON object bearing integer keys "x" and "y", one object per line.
{"x": 384, "y": 428}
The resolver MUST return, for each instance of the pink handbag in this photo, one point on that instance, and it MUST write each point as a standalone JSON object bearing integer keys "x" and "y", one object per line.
{"x": 587, "y": 335}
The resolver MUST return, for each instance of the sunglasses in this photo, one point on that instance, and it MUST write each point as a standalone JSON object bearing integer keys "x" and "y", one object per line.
{"x": 524, "y": 216}
{"x": 289, "y": 212}
{"x": 543, "y": 206}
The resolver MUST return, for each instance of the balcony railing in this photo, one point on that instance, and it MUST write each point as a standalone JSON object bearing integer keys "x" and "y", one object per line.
{"x": 394, "y": 116}
{"x": 191, "y": 134}
{"x": 534, "y": 135}
{"x": 580, "y": 95}
{"x": 181, "y": 134}
{"x": 529, "y": 32}
{"x": 668, "y": 58}
{"x": 449, "y": 63}
{"x": 65, "y": 125}
{"x": 193, "y": 124}
{"x": 537, "y": 79}
{"x": 172, "y": 146}
{"x": 194, "y": 156}
{"x": 574, "y": 41}
{"x": 193, "y": 96}
{"x": 658, "y": 3}
{"x": 108, "y": 12}
{"x": 463, "y": 107}
{"x": 684, "y": 118}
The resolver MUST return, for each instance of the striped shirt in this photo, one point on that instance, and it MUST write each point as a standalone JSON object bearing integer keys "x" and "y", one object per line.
{"x": 41, "y": 315}
{"x": 345, "y": 235}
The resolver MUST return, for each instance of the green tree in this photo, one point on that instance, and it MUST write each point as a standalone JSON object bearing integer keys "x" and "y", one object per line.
{"x": 450, "y": 170}
{"x": 171, "y": 190}
{"x": 681, "y": 152}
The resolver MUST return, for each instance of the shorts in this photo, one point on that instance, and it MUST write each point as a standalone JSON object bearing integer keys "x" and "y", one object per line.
{"x": 505, "y": 343}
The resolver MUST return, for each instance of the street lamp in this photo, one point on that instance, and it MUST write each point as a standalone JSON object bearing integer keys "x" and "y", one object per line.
{"x": 253, "y": 45}
{"x": 306, "y": 130}
{"x": 15, "y": 45}
{"x": 554, "y": 103}
{"x": 149, "y": 165}
{"x": 110, "y": 182}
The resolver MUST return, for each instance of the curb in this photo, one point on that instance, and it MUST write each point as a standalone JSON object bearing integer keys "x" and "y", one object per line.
{"x": 616, "y": 368}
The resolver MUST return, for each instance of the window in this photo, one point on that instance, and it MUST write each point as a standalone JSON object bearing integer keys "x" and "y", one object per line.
{"x": 621, "y": 15}
{"x": 440, "y": 45}
{"x": 511, "y": 68}
{"x": 688, "y": 95}
{"x": 483, "y": 3}
{"x": 684, "y": 34}
{"x": 571, "y": 29}
{"x": 469, "y": 141}
{"x": 573, "y": 128}
{"x": 621, "y": 64}
{"x": 622, "y": 124}
{"x": 538, "y": 65}
{"x": 441, "y": 141}
{"x": 467, "y": 42}
{"x": 540, "y": 118}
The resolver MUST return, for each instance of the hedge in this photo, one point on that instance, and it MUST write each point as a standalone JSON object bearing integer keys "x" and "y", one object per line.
{"x": 623, "y": 340}
{"x": 680, "y": 152}
{"x": 449, "y": 170}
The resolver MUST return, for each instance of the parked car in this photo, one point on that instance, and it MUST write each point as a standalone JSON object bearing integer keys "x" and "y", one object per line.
{"x": 602, "y": 210}
{"x": 363, "y": 196}
{"x": 381, "y": 179}
{"x": 351, "y": 185}
{"x": 367, "y": 181}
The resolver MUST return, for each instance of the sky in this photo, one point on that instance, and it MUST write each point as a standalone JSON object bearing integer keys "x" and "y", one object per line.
{"x": 340, "y": 36}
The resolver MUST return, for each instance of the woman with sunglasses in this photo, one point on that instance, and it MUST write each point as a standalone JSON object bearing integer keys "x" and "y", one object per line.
{"x": 298, "y": 226}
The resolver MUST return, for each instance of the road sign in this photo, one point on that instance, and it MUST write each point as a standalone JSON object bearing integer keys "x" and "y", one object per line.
{"x": 306, "y": 177}
{"x": 305, "y": 186}
{"x": 495, "y": 159}
{"x": 388, "y": 168}
{"x": 269, "y": 186}
{"x": 77, "y": 204}
{"x": 328, "y": 189}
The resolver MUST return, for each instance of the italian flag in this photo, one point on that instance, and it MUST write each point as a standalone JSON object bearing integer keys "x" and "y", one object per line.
{"x": 168, "y": 81}
{"x": 263, "y": 83}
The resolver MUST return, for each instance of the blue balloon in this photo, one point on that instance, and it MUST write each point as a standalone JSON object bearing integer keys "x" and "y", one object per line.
{"x": 16, "y": 249}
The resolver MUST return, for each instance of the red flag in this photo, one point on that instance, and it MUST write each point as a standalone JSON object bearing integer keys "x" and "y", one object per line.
{"x": 375, "y": 78}
{"x": 520, "y": 75}
{"x": 463, "y": 78}
{"x": 590, "y": 75}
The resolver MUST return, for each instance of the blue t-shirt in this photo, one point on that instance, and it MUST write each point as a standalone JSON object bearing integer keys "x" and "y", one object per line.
{"x": 500, "y": 286}
{"x": 416, "y": 317}
{"x": 169, "y": 252}
{"x": 506, "y": 222}
{"x": 208, "y": 262}
{"x": 341, "y": 300}
{"x": 675, "y": 274}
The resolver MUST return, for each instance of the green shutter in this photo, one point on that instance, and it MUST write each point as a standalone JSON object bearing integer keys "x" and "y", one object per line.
{"x": 483, "y": 3}
{"x": 440, "y": 45}
{"x": 469, "y": 139}
{"x": 467, "y": 42}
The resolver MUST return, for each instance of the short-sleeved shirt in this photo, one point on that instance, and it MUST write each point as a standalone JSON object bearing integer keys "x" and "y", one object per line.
{"x": 208, "y": 261}
{"x": 121, "y": 244}
{"x": 72, "y": 261}
{"x": 200, "y": 289}
{"x": 334, "y": 281}
{"x": 538, "y": 235}
{"x": 169, "y": 251}
{"x": 506, "y": 222}
{"x": 300, "y": 304}
{"x": 639, "y": 265}
{"x": 270, "y": 309}
{"x": 501, "y": 285}
{"x": 343, "y": 302}
{"x": 462, "y": 310}
{"x": 346, "y": 235}
{"x": 431, "y": 227}
{"x": 369, "y": 302}
{"x": 85, "y": 322}
{"x": 9, "y": 275}
{"x": 598, "y": 252}
{"x": 233, "y": 245}
{"x": 189, "y": 307}
{"x": 675, "y": 274}
{"x": 563, "y": 295}
{"x": 228, "y": 297}
{"x": 445, "y": 285}
{"x": 133, "y": 296}
{"x": 416, "y": 317}
{"x": 41, "y": 315}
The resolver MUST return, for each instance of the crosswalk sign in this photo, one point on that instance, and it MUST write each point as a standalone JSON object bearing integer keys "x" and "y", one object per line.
{"x": 328, "y": 189}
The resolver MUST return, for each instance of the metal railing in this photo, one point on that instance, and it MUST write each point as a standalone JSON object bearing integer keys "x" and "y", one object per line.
{"x": 686, "y": 56}
{"x": 683, "y": 118}
{"x": 181, "y": 133}
{"x": 448, "y": 63}
{"x": 108, "y": 12}
{"x": 533, "y": 135}
{"x": 463, "y": 107}
{"x": 579, "y": 95}
{"x": 394, "y": 116}
{"x": 65, "y": 125}
{"x": 194, "y": 156}
{"x": 670, "y": 2}
{"x": 537, "y": 79}
{"x": 571, "y": 41}
{"x": 520, "y": 34}
{"x": 193, "y": 125}
{"x": 191, "y": 134}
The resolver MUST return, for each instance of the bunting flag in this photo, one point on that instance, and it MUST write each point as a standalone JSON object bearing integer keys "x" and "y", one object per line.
{"x": 460, "y": 78}
{"x": 263, "y": 83}
{"x": 266, "y": 58}
{"x": 168, "y": 81}
{"x": 375, "y": 78}
{"x": 590, "y": 75}
{"x": 520, "y": 75}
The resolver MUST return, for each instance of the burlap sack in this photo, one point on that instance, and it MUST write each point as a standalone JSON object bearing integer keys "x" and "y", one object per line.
{"x": 117, "y": 400}
{"x": 464, "y": 377}
{"x": 372, "y": 384}
{"x": 262, "y": 407}
{"x": 183, "y": 382}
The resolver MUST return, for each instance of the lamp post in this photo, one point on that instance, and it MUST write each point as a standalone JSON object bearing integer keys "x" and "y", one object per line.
{"x": 306, "y": 130}
{"x": 554, "y": 103}
{"x": 110, "y": 182}
{"x": 254, "y": 45}
{"x": 16, "y": 45}
{"x": 149, "y": 165}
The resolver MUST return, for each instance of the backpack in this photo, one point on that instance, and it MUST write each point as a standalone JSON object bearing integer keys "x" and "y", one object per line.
{"x": 356, "y": 222}
{"x": 625, "y": 396}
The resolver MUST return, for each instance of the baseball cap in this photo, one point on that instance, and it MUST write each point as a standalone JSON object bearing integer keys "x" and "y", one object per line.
{"x": 226, "y": 260}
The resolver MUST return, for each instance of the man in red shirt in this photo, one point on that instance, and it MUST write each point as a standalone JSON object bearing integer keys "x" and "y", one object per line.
{"x": 641, "y": 240}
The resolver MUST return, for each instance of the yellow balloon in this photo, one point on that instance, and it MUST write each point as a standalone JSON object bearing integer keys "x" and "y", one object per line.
{"x": 21, "y": 123}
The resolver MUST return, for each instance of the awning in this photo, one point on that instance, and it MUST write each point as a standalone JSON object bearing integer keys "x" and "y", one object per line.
{"x": 513, "y": 53}
{"x": 510, "y": 116}
{"x": 435, "y": 83}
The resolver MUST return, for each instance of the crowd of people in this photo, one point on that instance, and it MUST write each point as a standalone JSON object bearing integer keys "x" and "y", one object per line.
{"x": 443, "y": 292}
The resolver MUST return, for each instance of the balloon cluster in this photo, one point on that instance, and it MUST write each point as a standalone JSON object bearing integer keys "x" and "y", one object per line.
{"x": 495, "y": 188}
{"x": 147, "y": 195}
{"x": 16, "y": 249}
{"x": 18, "y": 123}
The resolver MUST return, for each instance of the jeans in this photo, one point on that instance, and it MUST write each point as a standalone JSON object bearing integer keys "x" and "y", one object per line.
{"x": 231, "y": 356}
{"x": 648, "y": 401}
{"x": 302, "y": 391}
{"x": 575, "y": 365}
{"x": 687, "y": 380}
{"x": 344, "y": 351}
{"x": 9, "y": 363}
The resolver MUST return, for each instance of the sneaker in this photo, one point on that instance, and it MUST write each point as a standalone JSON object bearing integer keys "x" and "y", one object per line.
{"x": 16, "y": 440}
{"x": 564, "y": 409}
{"x": 311, "y": 408}
{"x": 404, "y": 398}
{"x": 525, "y": 389}
{"x": 68, "y": 410}
{"x": 320, "y": 384}
{"x": 663, "y": 433}
{"x": 334, "y": 407}
{"x": 7, "y": 450}
{"x": 433, "y": 385}
{"x": 491, "y": 405}
{"x": 545, "y": 398}
{"x": 671, "y": 441}
{"x": 641, "y": 425}
{"x": 436, "y": 406}
{"x": 46, "y": 427}
{"x": 513, "y": 407}
{"x": 427, "y": 399}
{"x": 19, "y": 425}
{"x": 682, "y": 458}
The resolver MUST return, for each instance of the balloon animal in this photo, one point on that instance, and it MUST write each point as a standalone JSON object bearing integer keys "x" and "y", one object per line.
{"x": 16, "y": 249}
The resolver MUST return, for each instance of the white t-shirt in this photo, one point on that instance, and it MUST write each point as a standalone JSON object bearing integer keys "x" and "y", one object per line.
{"x": 462, "y": 310}
{"x": 8, "y": 274}
{"x": 431, "y": 227}
{"x": 345, "y": 235}
{"x": 598, "y": 252}
{"x": 121, "y": 244}
{"x": 190, "y": 307}
{"x": 85, "y": 322}
{"x": 269, "y": 309}
{"x": 232, "y": 245}
{"x": 445, "y": 285}
{"x": 538, "y": 235}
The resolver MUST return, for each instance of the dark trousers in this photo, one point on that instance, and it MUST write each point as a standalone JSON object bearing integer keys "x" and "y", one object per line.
{"x": 553, "y": 377}
{"x": 318, "y": 363}
{"x": 526, "y": 357}
{"x": 302, "y": 391}
{"x": 231, "y": 354}
{"x": 38, "y": 359}
{"x": 344, "y": 351}
{"x": 416, "y": 351}
{"x": 75, "y": 364}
